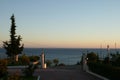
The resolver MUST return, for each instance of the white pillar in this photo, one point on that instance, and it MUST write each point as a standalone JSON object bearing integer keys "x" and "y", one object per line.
{"x": 85, "y": 68}
{"x": 42, "y": 59}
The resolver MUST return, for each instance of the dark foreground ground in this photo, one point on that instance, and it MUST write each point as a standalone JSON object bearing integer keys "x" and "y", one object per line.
{"x": 60, "y": 73}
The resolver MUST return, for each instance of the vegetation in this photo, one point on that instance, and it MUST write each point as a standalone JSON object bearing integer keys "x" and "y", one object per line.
{"x": 105, "y": 70}
{"x": 48, "y": 62}
{"x": 55, "y": 61}
{"x": 34, "y": 58}
{"x": 116, "y": 59}
{"x": 13, "y": 47}
{"x": 3, "y": 69}
{"x": 61, "y": 64}
{"x": 24, "y": 59}
{"x": 106, "y": 60}
{"x": 109, "y": 68}
{"x": 92, "y": 57}
{"x": 15, "y": 76}
{"x": 30, "y": 70}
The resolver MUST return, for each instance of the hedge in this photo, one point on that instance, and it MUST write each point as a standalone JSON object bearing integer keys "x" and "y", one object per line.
{"x": 109, "y": 71}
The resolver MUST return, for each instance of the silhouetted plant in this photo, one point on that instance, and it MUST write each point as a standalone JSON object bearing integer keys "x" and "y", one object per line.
{"x": 105, "y": 70}
{"x": 107, "y": 60}
{"x": 15, "y": 76}
{"x": 34, "y": 58}
{"x": 115, "y": 59}
{"x": 3, "y": 69}
{"x": 25, "y": 59}
{"x": 61, "y": 64}
{"x": 78, "y": 63}
{"x": 48, "y": 62}
{"x": 13, "y": 47}
{"x": 92, "y": 57}
{"x": 30, "y": 70}
{"x": 55, "y": 61}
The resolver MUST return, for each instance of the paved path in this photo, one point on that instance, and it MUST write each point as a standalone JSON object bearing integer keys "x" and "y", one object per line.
{"x": 60, "y": 74}
{"x": 68, "y": 73}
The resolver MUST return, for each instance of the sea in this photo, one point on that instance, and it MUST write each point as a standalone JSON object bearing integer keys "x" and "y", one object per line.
{"x": 68, "y": 56}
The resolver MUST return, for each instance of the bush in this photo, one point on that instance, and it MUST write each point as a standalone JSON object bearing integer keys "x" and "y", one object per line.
{"x": 105, "y": 70}
{"x": 78, "y": 63}
{"x": 3, "y": 68}
{"x": 92, "y": 57}
{"x": 48, "y": 62}
{"x": 29, "y": 70}
{"x": 61, "y": 64}
{"x": 34, "y": 58}
{"x": 107, "y": 60}
{"x": 25, "y": 59}
{"x": 55, "y": 61}
{"x": 15, "y": 76}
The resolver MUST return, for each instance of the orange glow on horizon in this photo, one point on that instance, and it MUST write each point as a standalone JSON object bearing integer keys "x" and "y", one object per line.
{"x": 70, "y": 45}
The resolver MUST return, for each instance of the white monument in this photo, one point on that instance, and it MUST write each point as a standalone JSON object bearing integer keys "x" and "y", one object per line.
{"x": 43, "y": 60}
{"x": 85, "y": 67}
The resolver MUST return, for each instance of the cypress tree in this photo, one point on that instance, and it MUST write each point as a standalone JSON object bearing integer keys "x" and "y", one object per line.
{"x": 13, "y": 47}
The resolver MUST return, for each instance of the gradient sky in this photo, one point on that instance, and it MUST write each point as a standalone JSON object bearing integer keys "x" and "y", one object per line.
{"x": 62, "y": 23}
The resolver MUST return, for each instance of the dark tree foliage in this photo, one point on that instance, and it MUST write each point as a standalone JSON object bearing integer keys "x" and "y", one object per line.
{"x": 92, "y": 57}
{"x": 3, "y": 69}
{"x": 13, "y": 47}
{"x": 29, "y": 71}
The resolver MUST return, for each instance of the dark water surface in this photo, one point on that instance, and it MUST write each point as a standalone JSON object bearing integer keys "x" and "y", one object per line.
{"x": 65, "y": 55}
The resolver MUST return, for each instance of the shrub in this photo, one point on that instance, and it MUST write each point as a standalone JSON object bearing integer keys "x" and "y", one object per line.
{"x": 34, "y": 58}
{"x": 107, "y": 60}
{"x": 15, "y": 76}
{"x": 78, "y": 63}
{"x": 61, "y": 64}
{"x": 105, "y": 70}
{"x": 25, "y": 59}
{"x": 92, "y": 57}
{"x": 55, "y": 61}
{"x": 3, "y": 68}
{"x": 29, "y": 70}
{"x": 48, "y": 62}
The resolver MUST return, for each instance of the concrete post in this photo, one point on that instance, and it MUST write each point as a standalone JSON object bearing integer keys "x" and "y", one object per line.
{"x": 85, "y": 67}
{"x": 42, "y": 59}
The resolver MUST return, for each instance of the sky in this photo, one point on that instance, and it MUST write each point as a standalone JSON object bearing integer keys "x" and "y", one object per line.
{"x": 62, "y": 23}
